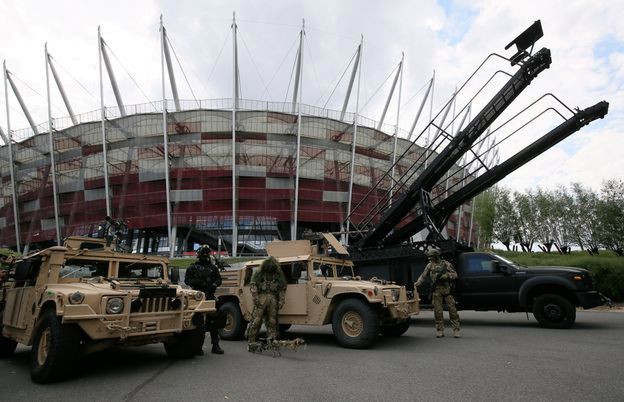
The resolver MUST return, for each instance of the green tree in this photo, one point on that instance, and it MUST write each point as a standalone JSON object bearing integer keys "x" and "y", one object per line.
{"x": 528, "y": 225}
{"x": 584, "y": 218}
{"x": 484, "y": 214}
{"x": 610, "y": 215}
{"x": 506, "y": 220}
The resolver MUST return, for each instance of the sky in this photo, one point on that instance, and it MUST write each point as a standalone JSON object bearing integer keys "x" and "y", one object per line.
{"x": 450, "y": 37}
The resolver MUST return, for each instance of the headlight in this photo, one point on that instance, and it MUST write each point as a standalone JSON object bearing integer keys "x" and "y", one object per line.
{"x": 76, "y": 298}
{"x": 114, "y": 305}
{"x": 199, "y": 295}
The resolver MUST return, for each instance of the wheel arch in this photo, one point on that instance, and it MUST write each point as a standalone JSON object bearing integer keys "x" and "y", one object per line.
{"x": 539, "y": 286}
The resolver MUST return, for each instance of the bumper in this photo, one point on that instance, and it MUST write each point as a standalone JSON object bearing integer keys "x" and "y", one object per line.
{"x": 403, "y": 310}
{"x": 591, "y": 299}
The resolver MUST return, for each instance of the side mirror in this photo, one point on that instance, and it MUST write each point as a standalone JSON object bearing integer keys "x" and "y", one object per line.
{"x": 495, "y": 266}
{"x": 174, "y": 275}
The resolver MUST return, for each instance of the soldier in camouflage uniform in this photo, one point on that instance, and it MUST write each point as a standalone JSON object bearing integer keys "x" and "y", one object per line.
{"x": 442, "y": 274}
{"x": 204, "y": 276}
{"x": 268, "y": 289}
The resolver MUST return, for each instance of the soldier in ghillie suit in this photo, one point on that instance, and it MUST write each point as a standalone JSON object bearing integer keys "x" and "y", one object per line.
{"x": 442, "y": 274}
{"x": 268, "y": 289}
{"x": 204, "y": 276}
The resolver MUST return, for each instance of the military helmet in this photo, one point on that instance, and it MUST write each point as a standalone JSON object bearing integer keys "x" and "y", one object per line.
{"x": 433, "y": 252}
{"x": 204, "y": 251}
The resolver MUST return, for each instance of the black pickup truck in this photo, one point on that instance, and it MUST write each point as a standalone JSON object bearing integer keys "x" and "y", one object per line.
{"x": 490, "y": 282}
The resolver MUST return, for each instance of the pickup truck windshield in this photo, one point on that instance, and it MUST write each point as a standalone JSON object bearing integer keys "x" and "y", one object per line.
{"x": 509, "y": 262}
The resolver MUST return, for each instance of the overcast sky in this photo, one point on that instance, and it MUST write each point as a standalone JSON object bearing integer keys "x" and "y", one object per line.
{"x": 586, "y": 39}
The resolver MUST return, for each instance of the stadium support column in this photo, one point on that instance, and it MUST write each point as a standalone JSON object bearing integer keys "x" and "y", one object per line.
{"x": 235, "y": 91}
{"x": 11, "y": 163}
{"x": 355, "y": 128}
{"x": 60, "y": 88}
{"x": 103, "y": 117}
{"x": 351, "y": 80}
{"x": 298, "y": 84}
{"x": 172, "y": 81}
{"x": 111, "y": 74}
{"x": 430, "y": 119}
{"x": 420, "y": 109}
{"x": 396, "y": 128}
{"x": 52, "y": 161}
{"x": 170, "y": 233}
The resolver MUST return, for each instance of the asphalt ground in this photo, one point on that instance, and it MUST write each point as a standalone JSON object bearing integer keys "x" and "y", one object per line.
{"x": 500, "y": 357}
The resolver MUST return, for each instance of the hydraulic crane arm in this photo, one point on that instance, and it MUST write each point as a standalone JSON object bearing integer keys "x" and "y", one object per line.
{"x": 458, "y": 146}
{"x": 441, "y": 211}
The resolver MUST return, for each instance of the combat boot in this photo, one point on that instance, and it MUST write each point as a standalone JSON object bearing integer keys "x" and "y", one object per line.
{"x": 216, "y": 349}
{"x": 439, "y": 334}
{"x": 456, "y": 333}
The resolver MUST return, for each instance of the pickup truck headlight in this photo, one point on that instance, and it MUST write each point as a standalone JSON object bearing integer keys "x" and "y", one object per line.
{"x": 114, "y": 305}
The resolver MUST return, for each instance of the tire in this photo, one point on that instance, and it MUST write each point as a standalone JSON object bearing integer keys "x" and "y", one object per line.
{"x": 355, "y": 324}
{"x": 554, "y": 311}
{"x": 55, "y": 349}
{"x": 187, "y": 343}
{"x": 395, "y": 330}
{"x": 235, "y": 324}
{"x": 7, "y": 346}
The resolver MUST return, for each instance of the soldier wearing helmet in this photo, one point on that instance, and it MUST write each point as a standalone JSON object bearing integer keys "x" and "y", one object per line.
{"x": 443, "y": 275}
{"x": 204, "y": 276}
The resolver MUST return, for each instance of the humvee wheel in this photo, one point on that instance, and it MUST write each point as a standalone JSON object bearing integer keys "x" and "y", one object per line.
{"x": 7, "y": 346}
{"x": 187, "y": 343}
{"x": 283, "y": 328}
{"x": 355, "y": 324}
{"x": 396, "y": 329}
{"x": 55, "y": 349}
{"x": 235, "y": 324}
{"x": 554, "y": 311}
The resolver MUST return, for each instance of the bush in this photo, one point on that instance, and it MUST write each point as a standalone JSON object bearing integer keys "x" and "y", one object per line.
{"x": 606, "y": 268}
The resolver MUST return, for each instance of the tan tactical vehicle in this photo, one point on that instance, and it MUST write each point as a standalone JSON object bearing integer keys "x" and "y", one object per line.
{"x": 84, "y": 296}
{"x": 321, "y": 290}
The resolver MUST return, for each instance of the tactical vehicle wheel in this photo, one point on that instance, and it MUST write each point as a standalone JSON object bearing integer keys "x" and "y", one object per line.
{"x": 187, "y": 343}
{"x": 395, "y": 330}
{"x": 55, "y": 349}
{"x": 235, "y": 324}
{"x": 554, "y": 311}
{"x": 7, "y": 346}
{"x": 355, "y": 324}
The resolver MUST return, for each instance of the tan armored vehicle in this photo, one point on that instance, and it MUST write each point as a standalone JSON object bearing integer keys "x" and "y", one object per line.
{"x": 321, "y": 290}
{"x": 84, "y": 296}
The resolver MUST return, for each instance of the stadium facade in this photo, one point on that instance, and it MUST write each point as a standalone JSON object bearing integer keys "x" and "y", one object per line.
{"x": 237, "y": 171}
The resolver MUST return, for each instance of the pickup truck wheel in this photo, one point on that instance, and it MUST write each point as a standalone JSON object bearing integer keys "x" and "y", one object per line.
{"x": 55, "y": 349}
{"x": 235, "y": 324}
{"x": 187, "y": 343}
{"x": 554, "y": 311}
{"x": 396, "y": 329}
{"x": 7, "y": 346}
{"x": 355, "y": 324}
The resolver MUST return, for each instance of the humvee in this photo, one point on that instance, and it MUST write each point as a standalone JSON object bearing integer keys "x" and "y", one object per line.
{"x": 82, "y": 297}
{"x": 322, "y": 289}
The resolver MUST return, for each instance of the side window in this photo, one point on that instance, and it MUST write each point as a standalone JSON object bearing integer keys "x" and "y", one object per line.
{"x": 77, "y": 268}
{"x": 478, "y": 264}
{"x": 135, "y": 270}
{"x": 323, "y": 270}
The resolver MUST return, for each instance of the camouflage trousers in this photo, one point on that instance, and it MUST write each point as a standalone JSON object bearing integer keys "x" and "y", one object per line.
{"x": 438, "y": 298}
{"x": 265, "y": 309}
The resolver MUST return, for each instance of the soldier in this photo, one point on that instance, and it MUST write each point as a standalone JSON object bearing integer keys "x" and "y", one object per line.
{"x": 268, "y": 289}
{"x": 442, "y": 274}
{"x": 204, "y": 276}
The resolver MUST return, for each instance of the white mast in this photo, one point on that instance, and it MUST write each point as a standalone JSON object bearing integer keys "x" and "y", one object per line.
{"x": 235, "y": 91}
{"x": 103, "y": 116}
{"x": 293, "y": 226}
{"x": 166, "y": 141}
{"x": 52, "y": 161}
{"x": 11, "y": 162}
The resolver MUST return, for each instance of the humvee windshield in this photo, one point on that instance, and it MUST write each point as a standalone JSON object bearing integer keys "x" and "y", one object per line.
{"x": 140, "y": 270}
{"x": 79, "y": 268}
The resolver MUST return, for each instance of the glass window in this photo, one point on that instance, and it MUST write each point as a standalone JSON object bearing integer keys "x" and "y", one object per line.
{"x": 78, "y": 268}
{"x": 140, "y": 270}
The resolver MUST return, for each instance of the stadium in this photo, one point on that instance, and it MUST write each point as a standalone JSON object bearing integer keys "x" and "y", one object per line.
{"x": 232, "y": 173}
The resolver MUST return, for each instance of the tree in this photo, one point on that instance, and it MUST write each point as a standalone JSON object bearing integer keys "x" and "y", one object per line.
{"x": 528, "y": 225}
{"x": 584, "y": 218}
{"x": 484, "y": 213}
{"x": 610, "y": 215}
{"x": 506, "y": 220}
